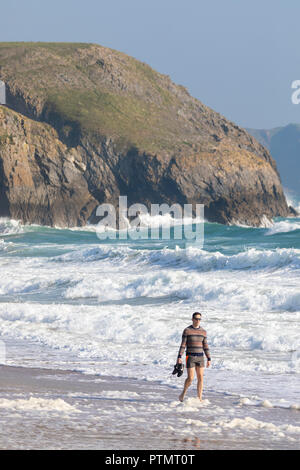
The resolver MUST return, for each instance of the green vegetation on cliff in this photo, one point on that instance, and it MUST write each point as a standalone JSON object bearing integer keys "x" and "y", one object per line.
{"x": 101, "y": 90}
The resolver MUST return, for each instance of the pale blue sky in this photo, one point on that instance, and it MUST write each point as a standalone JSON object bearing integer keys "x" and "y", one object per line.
{"x": 238, "y": 57}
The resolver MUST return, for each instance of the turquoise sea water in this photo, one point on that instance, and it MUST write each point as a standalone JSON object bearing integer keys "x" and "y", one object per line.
{"x": 119, "y": 307}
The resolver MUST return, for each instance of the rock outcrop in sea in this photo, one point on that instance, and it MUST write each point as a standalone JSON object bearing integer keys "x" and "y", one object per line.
{"x": 84, "y": 124}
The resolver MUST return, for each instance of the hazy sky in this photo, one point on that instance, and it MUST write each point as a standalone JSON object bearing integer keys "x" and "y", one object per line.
{"x": 238, "y": 57}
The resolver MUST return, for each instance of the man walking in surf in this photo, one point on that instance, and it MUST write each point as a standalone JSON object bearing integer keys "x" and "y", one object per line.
{"x": 194, "y": 339}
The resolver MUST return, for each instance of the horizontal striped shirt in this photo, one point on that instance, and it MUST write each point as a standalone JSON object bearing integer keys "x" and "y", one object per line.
{"x": 195, "y": 342}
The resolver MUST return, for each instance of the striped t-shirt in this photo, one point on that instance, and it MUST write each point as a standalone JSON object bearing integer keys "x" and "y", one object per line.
{"x": 195, "y": 342}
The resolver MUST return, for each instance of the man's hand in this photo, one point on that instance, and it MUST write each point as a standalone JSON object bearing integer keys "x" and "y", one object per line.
{"x": 208, "y": 364}
{"x": 179, "y": 360}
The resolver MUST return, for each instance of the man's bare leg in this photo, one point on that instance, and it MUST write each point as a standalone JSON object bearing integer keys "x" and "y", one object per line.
{"x": 187, "y": 383}
{"x": 200, "y": 376}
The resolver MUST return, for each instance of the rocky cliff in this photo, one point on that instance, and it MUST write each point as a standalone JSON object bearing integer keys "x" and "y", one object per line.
{"x": 284, "y": 146}
{"x": 84, "y": 124}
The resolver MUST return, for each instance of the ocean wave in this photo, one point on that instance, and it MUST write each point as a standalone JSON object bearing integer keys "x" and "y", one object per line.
{"x": 211, "y": 280}
{"x": 224, "y": 292}
{"x": 10, "y": 227}
{"x": 292, "y": 199}
{"x": 284, "y": 226}
{"x": 2, "y": 245}
{"x": 6, "y": 247}
{"x": 265, "y": 222}
{"x": 139, "y": 343}
{"x": 11, "y": 286}
{"x": 190, "y": 258}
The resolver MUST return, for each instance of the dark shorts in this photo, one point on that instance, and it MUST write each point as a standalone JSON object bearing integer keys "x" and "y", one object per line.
{"x": 192, "y": 361}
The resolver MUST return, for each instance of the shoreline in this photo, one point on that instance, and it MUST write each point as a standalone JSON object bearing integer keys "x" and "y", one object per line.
{"x": 64, "y": 409}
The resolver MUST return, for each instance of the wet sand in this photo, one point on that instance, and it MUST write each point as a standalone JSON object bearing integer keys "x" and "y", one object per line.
{"x": 59, "y": 409}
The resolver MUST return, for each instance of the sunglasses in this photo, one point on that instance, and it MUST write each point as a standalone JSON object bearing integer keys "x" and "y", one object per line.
{"x": 197, "y": 318}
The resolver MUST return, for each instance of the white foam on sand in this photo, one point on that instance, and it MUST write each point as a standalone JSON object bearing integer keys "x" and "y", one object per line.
{"x": 241, "y": 424}
{"x": 268, "y": 404}
{"x": 38, "y": 404}
{"x": 250, "y": 423}
{"x": 122, "y": 395}
{"x": 189, "y": 404}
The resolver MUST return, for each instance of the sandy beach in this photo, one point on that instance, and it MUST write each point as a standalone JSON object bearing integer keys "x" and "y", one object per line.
{"x": 60, "y": 409}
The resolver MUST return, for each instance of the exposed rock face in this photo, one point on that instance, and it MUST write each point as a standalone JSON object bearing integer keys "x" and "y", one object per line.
{"x": 86, "y": 124}
{"x": 284, "y": 145}
{"x": 41, "y": 179}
